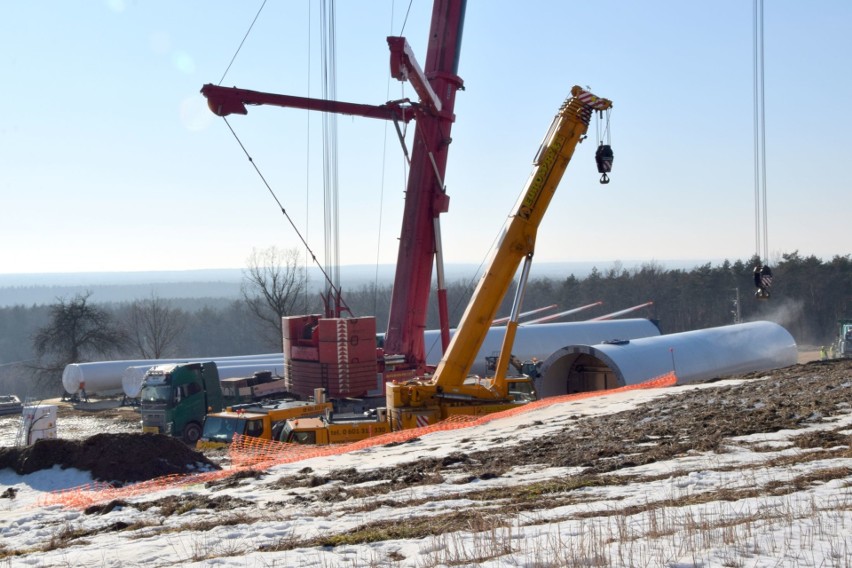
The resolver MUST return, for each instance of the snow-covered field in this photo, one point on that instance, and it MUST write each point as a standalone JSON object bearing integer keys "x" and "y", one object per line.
{"x": 74, "y": 426}
{"x": 761, "y": 499}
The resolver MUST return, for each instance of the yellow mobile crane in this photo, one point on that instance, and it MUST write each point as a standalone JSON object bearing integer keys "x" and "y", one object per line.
{"x": 449, "y": 391}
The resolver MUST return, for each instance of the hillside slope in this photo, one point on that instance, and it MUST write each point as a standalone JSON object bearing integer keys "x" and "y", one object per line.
{"x": 748, "y": 471}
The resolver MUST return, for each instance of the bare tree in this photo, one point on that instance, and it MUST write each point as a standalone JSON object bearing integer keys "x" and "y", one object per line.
{"x": 155, "y": 327}
{"x": 76, "y": 331}
{"x": 272, "y": 284}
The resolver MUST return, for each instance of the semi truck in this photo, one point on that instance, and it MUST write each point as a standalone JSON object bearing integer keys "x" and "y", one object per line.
{"x": 258, "y": 421}
{"x": 176, "y": 397}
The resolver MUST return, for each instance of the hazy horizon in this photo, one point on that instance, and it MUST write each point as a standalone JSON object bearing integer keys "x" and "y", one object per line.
{"x": 45, "y": 288}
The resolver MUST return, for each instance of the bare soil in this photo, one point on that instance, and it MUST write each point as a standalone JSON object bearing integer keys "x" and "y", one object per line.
{"x": 116, "y": 458}
{"x": 682, "y": 422}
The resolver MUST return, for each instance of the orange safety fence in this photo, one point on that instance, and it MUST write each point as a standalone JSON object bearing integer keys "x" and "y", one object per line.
{"x": 255, "y": 453}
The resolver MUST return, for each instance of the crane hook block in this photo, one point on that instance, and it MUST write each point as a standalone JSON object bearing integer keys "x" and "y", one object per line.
{"x": 762, "y": 281}
{"x": 603, "y": 158}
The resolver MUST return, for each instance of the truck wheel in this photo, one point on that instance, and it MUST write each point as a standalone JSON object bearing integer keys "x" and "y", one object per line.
{"x": 191, "y": 433}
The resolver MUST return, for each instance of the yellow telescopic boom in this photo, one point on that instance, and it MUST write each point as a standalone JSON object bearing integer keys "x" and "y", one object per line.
{"x": 448, "y": 387}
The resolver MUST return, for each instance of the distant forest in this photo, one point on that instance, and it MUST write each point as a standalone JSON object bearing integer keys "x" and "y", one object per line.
{"x": 809, "y": 295}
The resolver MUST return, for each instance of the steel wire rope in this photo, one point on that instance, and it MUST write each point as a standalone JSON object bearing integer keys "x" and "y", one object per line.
{"x": 245, "y": 37}
{"x": 761, "y": 219}
{"x": 307, "y": 185}
{"x": 470, "y": 285}
{"x": 602, "y": 127}
{"x": 405, "y": 20}
{"x": 763, "y": 142}
{"x": 330, "y": 163}
{"x": 382, "y": 182}
{"x": 475, "y": 276}
{"x": 283, "y": 210}
{"x": 308, "y": 160}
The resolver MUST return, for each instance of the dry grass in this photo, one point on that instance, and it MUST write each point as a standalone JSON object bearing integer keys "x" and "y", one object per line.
{"x": 410, "y": 528}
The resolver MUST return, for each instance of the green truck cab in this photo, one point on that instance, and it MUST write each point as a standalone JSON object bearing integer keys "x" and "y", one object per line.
{"x": 175, "y": 398}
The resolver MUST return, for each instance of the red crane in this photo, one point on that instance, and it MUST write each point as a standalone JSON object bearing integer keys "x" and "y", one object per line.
{"x": 426, "y": 198}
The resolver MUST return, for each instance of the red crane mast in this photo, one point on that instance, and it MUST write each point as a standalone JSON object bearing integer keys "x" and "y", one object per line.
{"x": 419, "y": 246}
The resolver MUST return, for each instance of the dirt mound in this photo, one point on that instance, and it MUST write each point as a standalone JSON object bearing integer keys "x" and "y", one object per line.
{"x": 110, "y": 457}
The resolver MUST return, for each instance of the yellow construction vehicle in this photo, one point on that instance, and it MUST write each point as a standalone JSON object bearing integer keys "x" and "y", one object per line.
{"x": 449, "y": 391}
{"x": 254, "y": 420}
{"x": 322, "y": 431}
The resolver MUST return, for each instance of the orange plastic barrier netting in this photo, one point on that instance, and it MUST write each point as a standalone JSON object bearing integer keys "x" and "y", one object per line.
{"x": 94, "y": 493}
{"x": 255, "y": 453}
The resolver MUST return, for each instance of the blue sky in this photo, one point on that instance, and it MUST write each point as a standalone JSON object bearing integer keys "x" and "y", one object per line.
{"x": 109, "y": 160}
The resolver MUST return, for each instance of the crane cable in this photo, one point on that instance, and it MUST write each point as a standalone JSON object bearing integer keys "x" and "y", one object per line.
{"x": 603, "y": 128}
{"x": 760, "y": 217}
{"x": 308, "y": 156}
{"x": 329, "y": 120}
{"x": 286, "y": 215}
{"x": 330, "y": 150}
{"x": 382, "y": 189}
{"x": 762, "y": 272}
{"x": 245, "y": 37}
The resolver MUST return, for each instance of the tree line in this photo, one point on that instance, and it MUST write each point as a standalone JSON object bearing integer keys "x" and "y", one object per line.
{"x": 809, "y": 295}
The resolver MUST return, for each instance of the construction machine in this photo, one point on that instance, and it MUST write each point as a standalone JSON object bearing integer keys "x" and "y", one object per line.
{"x": 449, "y": 391}
{"x": 322, "y": 430}
{"x": 255, "y": 420}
